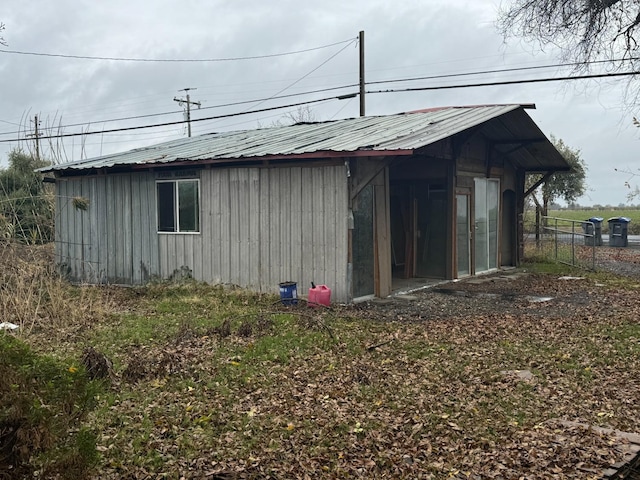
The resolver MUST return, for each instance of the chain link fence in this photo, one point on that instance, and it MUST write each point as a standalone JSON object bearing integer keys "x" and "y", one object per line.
{"x": 566, "y": 241}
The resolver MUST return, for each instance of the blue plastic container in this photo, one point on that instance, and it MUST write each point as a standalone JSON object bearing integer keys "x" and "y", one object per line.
{"x": 593, "y": 232}
{"x": 618, "y": 231}
{"x": 289, "y": 293}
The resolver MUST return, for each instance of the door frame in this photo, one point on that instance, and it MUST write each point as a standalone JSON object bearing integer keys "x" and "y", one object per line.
{"x": 474, "y": 236}
{"x": 468, "y": 197}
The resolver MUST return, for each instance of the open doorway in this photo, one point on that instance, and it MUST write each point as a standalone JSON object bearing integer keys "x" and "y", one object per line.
{"x": 418, "y": 232}
{"x": 363, "y": 244}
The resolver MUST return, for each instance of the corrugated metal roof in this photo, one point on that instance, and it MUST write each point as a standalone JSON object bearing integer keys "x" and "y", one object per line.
{"x": 402, "y": 132}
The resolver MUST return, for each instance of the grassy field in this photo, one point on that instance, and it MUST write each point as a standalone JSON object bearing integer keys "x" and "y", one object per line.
{"x": 634, "y": 215}
{"x": 207, "y": 382}
{"x": 582, "y": 215}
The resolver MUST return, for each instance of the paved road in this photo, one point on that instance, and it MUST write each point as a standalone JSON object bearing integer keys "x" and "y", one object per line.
{"x": 634, "y": 240}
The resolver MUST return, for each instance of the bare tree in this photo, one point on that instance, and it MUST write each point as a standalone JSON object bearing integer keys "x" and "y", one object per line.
{"x": 633, "y": 174}
{"x": 2, "y": 40}
{"x": 584, "y": 30}
{"x": 303, "y": 114}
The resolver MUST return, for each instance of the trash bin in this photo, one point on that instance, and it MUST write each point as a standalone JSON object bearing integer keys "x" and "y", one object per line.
{"x": 618, "y": 231}
{"x": 594, "y": 230}
{"x": 289, "y": 293}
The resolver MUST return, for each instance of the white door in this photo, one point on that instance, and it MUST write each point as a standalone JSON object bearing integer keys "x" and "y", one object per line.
{"x": 463, "y": 237}
{"x": 486, "y": 224}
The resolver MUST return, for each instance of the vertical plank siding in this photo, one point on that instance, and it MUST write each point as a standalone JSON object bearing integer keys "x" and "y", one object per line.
{"x": 258, "y": 227}
{"x": 111, "y": 240}
{"x": 263, "y": 226}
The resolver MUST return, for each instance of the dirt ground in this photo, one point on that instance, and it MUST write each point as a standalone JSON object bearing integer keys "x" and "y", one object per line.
{"x": 428, "y": 385}
{"x": 518, "y": 292}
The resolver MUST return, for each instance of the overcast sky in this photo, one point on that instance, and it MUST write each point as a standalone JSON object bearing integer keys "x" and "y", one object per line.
{"x": 403, "y": 39}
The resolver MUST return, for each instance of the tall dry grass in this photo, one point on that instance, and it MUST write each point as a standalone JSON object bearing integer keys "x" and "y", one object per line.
{"x": 35, "y": 297}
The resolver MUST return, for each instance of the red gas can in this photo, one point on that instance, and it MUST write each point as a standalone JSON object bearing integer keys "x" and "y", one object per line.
{"x": 319, "y": 295}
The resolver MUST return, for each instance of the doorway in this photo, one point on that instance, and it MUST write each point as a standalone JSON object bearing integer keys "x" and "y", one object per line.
{"x": 363, "y": 243}
{"x": 418, "y": 231}
{"x": 463, "y": 235}
{"x": 486, "y": 222}
{"x": 431, "y": 232}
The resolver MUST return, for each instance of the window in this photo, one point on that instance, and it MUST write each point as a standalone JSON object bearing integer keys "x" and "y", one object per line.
{"x": 178, "y": 206}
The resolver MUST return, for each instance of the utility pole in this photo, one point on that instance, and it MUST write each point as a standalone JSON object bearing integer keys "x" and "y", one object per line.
{"x": 36, "y": 135}
{"x": 188, "y": 103}
{"x": 361, "y": 43}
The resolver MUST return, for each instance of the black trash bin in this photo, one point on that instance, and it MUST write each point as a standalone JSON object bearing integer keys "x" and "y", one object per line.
{"x": 618, "y": 231}
{"x": 594, "y": 230}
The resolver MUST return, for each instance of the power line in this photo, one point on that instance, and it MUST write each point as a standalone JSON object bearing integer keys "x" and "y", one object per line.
{"x": 508, "y": 82}
{"x": 11, "y": 123}
{"x": 167, "y": 132}
{"x": 139, "y": 127}
{"x": 174, "y": 60}
{"x": 412, "y": 89}
{"x": 277, "y": 96}
{"x": 206, "y": 125}
{"x": 502, "y": 70}
{"x": 174, "y": 112}
{"x": 305, "y": 75}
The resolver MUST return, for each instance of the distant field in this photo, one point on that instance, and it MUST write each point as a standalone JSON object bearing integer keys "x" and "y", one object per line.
{"x": 581, "y": 215}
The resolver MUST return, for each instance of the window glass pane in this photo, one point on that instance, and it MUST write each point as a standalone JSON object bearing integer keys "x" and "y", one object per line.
{"x": 481, "y": 226}
{"x": 188, "y": 206}
{"x": 166, "y": 207}
{"x": 363, "y": 251}
{"x": 492, "y": 207}
{"x": 462, "y": 234}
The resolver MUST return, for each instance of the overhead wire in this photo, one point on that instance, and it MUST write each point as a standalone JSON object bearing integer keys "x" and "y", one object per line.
{"x": 508, "y": 82}
{"x": 265, "y": 117}
{"x": 410, "y": 89}
{"x": 180, "y": 122}
{"x": 277, "y": 96}
{"x": 175, "y": 60}
{"x": 11, "y": 123}
{"x": 231, "y": 104}
{"x": 377, "y": 82}
{"x": 173, "y": 132}
{"x": 305, "y": 75}
{"x": 574, "y": 64}
{"x": 346, "y": 104}
{"x": 501, "y": 70}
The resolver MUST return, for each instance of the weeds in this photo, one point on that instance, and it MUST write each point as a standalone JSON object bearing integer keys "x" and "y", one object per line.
{"x": 32, "y": 295}
{"x": 43, "y": 399}
{"x": 214, "y": 382}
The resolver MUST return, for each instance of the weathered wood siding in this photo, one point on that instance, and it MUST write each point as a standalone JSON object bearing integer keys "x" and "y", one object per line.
{"x": 114, "y": 240}
{"x": 258, "y": 227}
{"x": 263, "y": 226}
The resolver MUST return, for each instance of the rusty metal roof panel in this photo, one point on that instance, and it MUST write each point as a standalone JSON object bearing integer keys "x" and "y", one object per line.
{"x": 405, "y": 131}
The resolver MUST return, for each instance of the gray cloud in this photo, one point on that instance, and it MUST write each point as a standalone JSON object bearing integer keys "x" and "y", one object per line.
{"x": 403, "y": 39}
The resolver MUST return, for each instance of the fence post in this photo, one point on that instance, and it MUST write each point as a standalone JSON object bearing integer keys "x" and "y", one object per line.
{"x": 537, "y": 227}
{"x": 593, "y": 248}
{"x": 555, "y": 236}
{"x": 573, "y": 243}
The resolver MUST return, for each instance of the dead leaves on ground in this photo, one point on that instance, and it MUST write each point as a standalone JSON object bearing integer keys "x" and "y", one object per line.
{"x": 441, "y": 395}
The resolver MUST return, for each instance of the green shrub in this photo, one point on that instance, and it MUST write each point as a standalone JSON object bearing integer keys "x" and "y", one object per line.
{"x": 43, "y": 400}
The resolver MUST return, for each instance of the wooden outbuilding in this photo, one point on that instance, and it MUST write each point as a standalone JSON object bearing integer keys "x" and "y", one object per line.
{"x": 358, "y": 204}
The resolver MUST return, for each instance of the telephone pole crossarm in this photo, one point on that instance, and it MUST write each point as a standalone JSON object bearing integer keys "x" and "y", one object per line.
{"x": 188, "y": 103}
{"x": 36, "y": 135}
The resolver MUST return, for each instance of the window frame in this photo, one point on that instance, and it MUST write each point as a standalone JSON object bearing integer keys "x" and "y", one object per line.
{"x": 176, "y": 206}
